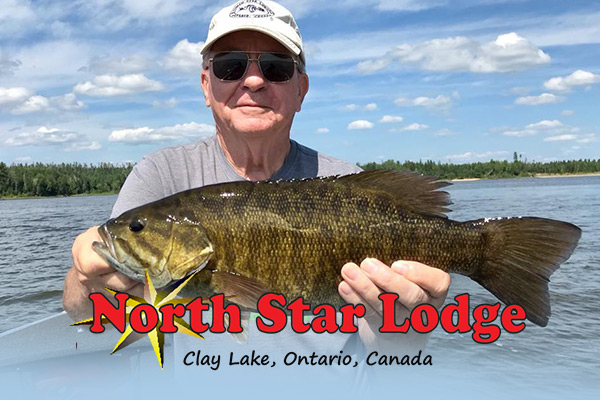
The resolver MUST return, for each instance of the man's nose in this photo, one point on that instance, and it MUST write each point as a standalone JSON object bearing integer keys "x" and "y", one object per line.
{"x": 254, "y": 80}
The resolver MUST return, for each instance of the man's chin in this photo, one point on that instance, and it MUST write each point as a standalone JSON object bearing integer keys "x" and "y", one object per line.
{"x": 256, "y": 126}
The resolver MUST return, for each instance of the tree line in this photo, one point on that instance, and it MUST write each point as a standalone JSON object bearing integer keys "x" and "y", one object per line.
{"x": 72, "y": 179}
{"x": 490, "y": 169}
{"x": 61, "y": 179}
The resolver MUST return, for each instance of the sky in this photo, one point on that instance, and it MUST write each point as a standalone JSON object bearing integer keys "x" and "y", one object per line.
{"x": 452, "y": 81}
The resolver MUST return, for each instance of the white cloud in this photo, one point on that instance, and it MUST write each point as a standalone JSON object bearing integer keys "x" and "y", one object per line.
{"x": 360, "y": 124}
{"x": 409, "y": 5}
{"x": 23, "y": 160}
{"x": 52, "y": 136}
{"x": 391, "y": 118}
{"x": 548, "y": 127}
{"x": 8, "y": 66}
{"x": 17, "y": 9}
{"x": 149, "y": 135}
{"x": 323, "y": 130}
{"x": 443, "y": 132}
{"x": 155, "y": 9}
{"x": 354, "y": 107}
{"x": 33, "y": 104}
{"x": 402, "y": 101}
{"x": 21, "y": 101}
{"x": 520, "y": 133}
{"x": 114, "y": 85}
{"x": 471, "y": 156}
{"x": 560, "y": 138}
{"x": 575, "y": 28}
{"x": 520, "y": 90}
{"x": 60, "y": 29}
{"x": 119, "y": 65}
{"x": 68, "y": 102}
{"x": 589, "y": 138}
{"x": 10, "y": 97}
{"x": 349, "y": 107}
{"x": 577, "y": 78}
{"x": 509, "y": 52}
{"x": 567, "y": 113}
{"x": 172, "y": 102}
{"x": 83, "y": 146}
{"x": 415, "y": 127}
{"x": 440, "y": 102}
{"x": 52, "y": 64}
{"x": 14, "y": 15}
{"x": 544, "y": 98}
{"x": 185, "y": 57}
{"x": 545, "y": 124}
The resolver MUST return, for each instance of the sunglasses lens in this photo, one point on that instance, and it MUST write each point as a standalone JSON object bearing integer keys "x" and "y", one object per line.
{"x": 230, "y": 66}
{"x": 277, "y": 67}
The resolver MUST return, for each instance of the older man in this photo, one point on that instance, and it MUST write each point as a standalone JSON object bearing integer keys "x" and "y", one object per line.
{"x": 253, "y": 80}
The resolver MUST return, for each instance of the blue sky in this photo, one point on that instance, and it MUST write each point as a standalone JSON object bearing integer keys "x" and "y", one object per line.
{"x": 452, "y": 81}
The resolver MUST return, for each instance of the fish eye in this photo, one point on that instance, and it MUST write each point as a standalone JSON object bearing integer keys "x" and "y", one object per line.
{"x": 136, "y": 225}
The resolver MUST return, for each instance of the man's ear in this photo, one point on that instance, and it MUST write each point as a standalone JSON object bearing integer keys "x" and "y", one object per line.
{"x": 302, "y": 89}
{"x": 205, "y": 84}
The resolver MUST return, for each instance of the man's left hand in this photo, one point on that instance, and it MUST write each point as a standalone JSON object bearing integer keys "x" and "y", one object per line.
{"x": 415, "y": 284}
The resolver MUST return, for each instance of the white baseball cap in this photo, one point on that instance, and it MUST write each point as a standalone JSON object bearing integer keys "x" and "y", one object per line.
{"x": 266, "y": 17}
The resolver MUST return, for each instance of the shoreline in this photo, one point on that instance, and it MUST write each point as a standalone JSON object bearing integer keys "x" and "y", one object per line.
{"x": 543, "y": 176}
{"x": 55, "y": 197}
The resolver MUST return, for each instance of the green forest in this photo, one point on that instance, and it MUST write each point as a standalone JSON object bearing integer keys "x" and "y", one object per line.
{"x": 33, "y": 180}
{"x": 490, "y": 169}
{"x": 26, "y": 180}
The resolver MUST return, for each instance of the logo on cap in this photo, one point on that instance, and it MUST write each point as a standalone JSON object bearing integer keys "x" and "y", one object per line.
{"x": 251, "y": 9}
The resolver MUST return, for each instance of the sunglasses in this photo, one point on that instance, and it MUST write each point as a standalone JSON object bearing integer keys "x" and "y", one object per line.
{"x": 232, "y": 66}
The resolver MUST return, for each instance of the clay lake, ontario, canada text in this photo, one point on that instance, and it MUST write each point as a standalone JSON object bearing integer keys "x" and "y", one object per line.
{"x": 199, "y": 358}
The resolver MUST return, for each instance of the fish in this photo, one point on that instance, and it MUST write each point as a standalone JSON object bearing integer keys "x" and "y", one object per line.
{"x": 293, "y": 236}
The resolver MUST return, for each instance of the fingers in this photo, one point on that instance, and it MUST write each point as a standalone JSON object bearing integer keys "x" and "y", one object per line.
{"x": 432, "y": 280}
{"x": 415, "y": 283}
{"x": 359, "y": 288}
{"x": 356, "y": 288}
{"x": 86, "y": 260}
{"x": 93, "y": 271}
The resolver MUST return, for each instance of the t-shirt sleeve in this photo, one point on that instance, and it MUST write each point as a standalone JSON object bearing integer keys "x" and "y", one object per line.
{"x": 143, "y": 185}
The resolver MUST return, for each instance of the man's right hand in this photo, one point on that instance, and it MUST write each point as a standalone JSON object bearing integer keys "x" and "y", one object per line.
{"x": 91, "y": 274}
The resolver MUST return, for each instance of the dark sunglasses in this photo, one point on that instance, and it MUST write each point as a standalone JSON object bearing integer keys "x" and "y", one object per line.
{"x": 232, "y": 66}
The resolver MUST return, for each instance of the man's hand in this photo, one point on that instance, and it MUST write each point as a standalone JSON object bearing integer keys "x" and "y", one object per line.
{"x": 91, "y": 274}
{"x": 415, "y": 283}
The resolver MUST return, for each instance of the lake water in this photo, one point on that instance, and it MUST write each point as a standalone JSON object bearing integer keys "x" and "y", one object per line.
{"x": 36, "y": 237}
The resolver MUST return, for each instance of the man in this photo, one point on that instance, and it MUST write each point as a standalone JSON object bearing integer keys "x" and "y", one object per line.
{"x": 253, "y": 79}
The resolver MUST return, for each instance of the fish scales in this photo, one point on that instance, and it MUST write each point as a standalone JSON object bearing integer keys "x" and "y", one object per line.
{"x": 293, "y": 237}
{"x": 300, "y": 246}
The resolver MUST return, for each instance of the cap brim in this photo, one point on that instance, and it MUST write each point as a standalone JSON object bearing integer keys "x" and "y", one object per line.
{"x": 288, "y": 44}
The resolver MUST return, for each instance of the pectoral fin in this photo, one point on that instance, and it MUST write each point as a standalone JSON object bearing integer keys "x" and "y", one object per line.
{"x": 246, "y": 291}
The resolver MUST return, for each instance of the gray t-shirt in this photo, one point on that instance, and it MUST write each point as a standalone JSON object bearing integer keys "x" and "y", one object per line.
{"x": 201, "y": 163}
{"x": 179, "y": 168}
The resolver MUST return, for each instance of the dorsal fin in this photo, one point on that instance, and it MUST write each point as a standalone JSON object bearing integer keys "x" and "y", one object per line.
{"x": 414, "y": 192}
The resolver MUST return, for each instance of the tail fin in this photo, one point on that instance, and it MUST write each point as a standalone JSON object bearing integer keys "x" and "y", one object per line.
{"x": 521, "y": 255}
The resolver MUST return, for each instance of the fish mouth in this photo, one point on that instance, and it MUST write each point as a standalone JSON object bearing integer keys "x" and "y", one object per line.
{"x": 107, "y": 240}
{"x": 106, "y": 249}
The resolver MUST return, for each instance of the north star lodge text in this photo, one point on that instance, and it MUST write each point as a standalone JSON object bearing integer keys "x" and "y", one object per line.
{"x": 273, "y": 311}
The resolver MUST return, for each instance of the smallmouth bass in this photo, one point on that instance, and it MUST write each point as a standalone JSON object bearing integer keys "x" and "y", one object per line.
{"x": 293, "y": 237}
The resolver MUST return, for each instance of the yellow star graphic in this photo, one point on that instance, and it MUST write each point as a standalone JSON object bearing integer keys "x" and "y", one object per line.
{"x": 157, "y": 300}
